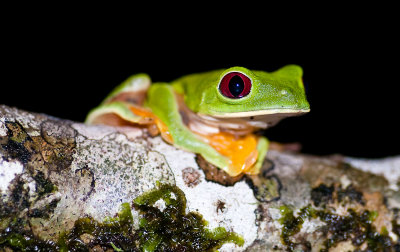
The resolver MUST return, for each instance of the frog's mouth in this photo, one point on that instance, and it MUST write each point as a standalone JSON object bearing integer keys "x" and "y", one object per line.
{"x": 247, "y": 122}
{"x": 262, "y": 118}
{"x": 284, "y": 112}
{"x": 239, "y": 123}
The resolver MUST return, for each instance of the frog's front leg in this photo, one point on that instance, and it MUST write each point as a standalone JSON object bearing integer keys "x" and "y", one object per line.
{"x": 163, "y": 103}
{"x": 262, "y": 148}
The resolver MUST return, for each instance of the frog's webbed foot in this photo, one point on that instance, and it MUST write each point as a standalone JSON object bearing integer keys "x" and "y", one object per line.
{"x": 119, "y": 113}
{"x": 222, "y": 176}
{"x": 246, "y": 153}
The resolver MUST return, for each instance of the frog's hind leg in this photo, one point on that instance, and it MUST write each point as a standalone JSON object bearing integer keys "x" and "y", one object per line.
{"x": 118, "y": 108}
{"x": 115, "y": 113}
{"x": 118, "y": 113}
{"x": 124, "y": 106}
{"x": 115, "y": 108}
{"x": 133, "y": 90}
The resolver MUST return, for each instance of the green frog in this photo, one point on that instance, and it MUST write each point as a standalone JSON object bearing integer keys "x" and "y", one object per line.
{"x": 213, "y": 114}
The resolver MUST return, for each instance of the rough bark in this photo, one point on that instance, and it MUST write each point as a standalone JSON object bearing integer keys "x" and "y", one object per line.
{"x": 54, "y": 172}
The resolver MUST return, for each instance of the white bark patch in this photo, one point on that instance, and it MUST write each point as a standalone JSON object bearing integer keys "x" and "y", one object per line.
{"x": 3, "y": 129}
{"x": 94, "y": 132}
{"x": 8, "y": 171}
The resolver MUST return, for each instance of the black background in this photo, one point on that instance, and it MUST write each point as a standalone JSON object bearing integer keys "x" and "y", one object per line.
{"x": 351, "y": 70}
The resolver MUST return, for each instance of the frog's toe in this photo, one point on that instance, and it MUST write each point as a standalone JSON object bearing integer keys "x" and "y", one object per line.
{"x": 114, "y": 114}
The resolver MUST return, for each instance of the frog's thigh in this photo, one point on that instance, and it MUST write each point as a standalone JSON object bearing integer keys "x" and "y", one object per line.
{"x": 161, "y": 100}
{"x": 262, "y": 148}
{"x": 132, "y": 90}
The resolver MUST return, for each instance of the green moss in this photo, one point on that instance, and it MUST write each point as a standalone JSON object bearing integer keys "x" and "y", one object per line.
{"x": 14, "y": 236}
{"x": 14, "y": 145}
{"x": 291, "y": 224}
{"x": 20, "y": 242}
{"x": 172, "y": 229}
{"x": 351, "y": 194}
{"x": 43, "y": 185}
{"x": 356, "y": 227}
{"x": 168, "y": 230}
{"x": 112, "y": 232}
{"x": 322, "y": 195}
{"x": 396, "y": 228}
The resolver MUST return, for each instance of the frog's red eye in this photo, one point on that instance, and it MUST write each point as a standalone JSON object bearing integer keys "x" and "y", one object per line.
{"x": 235, "y": 85}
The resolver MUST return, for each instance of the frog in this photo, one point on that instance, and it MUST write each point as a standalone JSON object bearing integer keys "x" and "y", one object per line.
{"x": 216, "y": 114}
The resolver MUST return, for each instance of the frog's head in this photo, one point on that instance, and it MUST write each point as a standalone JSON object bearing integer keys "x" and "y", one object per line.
{"x": 256, "y": 95}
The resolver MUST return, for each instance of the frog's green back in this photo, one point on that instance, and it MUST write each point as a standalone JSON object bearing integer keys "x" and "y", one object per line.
{"x": 193, "y": 87}
{"x": 275, "y": 92}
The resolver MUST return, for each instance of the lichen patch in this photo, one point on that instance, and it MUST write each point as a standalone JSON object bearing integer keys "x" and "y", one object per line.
{"x": 117, "y": 170}
{"x": 191, "y": 176}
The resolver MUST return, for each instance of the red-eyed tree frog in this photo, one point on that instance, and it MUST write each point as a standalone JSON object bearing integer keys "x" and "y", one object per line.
{"x": 214, "y": 114}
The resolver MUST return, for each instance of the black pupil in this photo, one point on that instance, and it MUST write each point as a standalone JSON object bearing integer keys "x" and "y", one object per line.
{"x": 236, "y": 85}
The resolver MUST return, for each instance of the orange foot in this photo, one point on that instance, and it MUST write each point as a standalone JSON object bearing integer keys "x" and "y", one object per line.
{"x": 152, "y": 122}
{"x": 241, "y": 151}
